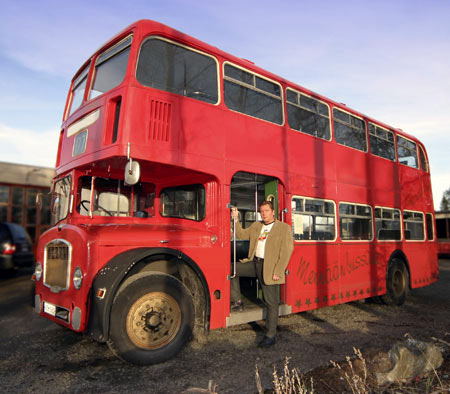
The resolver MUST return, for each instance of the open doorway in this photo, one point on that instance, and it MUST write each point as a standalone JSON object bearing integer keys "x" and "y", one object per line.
{"x": 247, "y": 192}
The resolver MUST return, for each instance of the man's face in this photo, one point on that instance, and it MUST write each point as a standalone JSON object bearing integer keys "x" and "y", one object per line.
{"x": 267, "y": 214}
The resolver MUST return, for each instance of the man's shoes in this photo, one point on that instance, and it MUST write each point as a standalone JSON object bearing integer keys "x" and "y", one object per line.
{"x": 267, "y": 342}
{"x": 237, "y": 306}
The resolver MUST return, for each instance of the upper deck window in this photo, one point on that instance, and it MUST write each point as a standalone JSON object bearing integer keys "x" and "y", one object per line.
{"x": 250, "y": 94}
{"x": 171, "y": 67}
{"x": 349, "y": 130}
{"x": 110, "y": 67}
{"x": 407, "y": 152}
{"x": 308, "y": 115}
{"x": 381, "y": 142}
{"x": 423, "y": 159}
{"x": 78, "y": 89}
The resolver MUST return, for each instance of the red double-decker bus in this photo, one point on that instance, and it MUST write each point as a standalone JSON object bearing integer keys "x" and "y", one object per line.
{"x": 161, "y": 134}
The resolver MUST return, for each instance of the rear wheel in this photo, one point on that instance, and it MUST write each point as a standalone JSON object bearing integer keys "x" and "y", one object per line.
{"x": 151, "y": 319}
{"x": 397, "y": 283}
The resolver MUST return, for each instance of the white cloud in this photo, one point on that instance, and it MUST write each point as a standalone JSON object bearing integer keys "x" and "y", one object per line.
{"x": 28, "y": 146}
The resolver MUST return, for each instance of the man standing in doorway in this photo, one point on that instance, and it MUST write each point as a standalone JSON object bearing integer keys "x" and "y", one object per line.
{"x": 271, "y": 246}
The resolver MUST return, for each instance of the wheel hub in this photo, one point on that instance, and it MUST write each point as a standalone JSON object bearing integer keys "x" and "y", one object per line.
{"x": 153, "y": 320}
{"x": 398, "y": 283}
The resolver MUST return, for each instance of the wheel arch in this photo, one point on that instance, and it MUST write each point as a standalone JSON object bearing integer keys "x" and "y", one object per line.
{"x": 122, "y": 266}
{"x": 399, "y": 254}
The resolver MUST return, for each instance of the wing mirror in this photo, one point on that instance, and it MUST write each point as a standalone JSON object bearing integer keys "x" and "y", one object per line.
{"x": 132, "y": 169}
{"x": 132, "y": 172}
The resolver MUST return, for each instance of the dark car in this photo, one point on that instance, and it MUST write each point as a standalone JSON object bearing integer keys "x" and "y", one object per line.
{"x": 16, "y": 250}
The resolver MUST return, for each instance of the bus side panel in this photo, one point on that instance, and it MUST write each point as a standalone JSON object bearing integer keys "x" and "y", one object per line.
{"x": 423, "y": 263}
{"x": 314, "y": 276}
{"x": 364, "y": 272}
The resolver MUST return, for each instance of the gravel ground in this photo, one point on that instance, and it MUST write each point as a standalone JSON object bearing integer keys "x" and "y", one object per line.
{"x": 37, "y": 356}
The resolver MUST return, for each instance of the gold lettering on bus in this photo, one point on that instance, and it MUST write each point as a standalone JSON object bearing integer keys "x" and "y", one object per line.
{"x": 334, "y": 271}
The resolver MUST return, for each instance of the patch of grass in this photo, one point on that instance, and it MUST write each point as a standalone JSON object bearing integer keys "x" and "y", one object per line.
{"x": 354, "y": 376}
{"x": 291, "y": 382}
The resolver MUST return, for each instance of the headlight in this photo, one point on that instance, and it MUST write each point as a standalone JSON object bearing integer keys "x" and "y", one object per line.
{"x": 38, "y": 271}
{"x": 77, "y": 278}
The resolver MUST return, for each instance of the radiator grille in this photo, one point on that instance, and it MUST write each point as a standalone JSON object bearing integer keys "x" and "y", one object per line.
{"x": 57, "y": 265}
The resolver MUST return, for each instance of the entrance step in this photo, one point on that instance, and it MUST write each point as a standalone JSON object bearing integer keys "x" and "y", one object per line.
{"x": 254, "y": 313}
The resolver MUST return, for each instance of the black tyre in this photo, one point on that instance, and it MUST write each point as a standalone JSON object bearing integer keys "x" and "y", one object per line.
{"x": 397, "y": 283}
{"x": 151, "y": 318}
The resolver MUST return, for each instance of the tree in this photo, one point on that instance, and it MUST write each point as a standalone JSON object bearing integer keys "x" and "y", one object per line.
{"x": 445, "y": 202}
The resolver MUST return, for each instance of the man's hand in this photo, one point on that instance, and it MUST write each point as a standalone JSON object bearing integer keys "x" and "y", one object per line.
{"x": 275, "y": 277}
{"x": 235, "y": 213}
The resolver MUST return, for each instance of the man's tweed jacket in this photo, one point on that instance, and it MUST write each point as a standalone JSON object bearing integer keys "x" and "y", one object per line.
{"x": 277, "y": 252}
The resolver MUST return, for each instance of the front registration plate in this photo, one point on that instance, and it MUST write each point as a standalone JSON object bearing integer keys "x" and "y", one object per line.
{"x": 50, "y": 308}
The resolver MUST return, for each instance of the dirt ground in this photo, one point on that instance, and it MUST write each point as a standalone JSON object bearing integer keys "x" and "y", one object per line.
{"x": 37, "y": 356}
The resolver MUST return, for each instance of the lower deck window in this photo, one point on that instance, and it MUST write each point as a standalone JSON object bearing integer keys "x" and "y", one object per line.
{"x": 186, "y": 202}
{"x": 387, "y": 224}
{"x": 430, "y": 227}
{"x": 355, "y": 222}
{"x": 414, "y": 226}
{"x": 313, "y": 219}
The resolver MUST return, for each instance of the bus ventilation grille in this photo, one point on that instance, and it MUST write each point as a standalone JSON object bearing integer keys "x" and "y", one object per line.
{"x": 160, "y": 115}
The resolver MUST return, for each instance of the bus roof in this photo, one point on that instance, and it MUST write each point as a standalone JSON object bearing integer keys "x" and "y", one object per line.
{"x": 158, "y": 28}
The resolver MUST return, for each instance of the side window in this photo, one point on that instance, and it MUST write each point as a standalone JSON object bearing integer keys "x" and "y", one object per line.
{"x": 308, "y": 115}
{"x": 413, "y": 226}
{"x": 313, "y": 219}
{"x": 110, "y": 67}
{"x": 355, "y": 222}
{"x": 250, "y": 94}
{"x": 4, "y": 199}
{"x": 407, "y": 152}
{"x": 173, "y": 68}
{"x": 423, "y": 159}
{"x": 387, "y": 224}
{"x": 349, "y": 130}
{"x": 78, "y": 89}
{"x": 381, "y": 142}
{"x": 186, "y": 202}
{"x": 430, "y": 227}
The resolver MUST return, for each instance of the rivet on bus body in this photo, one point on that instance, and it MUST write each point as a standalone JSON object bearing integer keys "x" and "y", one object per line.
{"x": 213, "y": 239}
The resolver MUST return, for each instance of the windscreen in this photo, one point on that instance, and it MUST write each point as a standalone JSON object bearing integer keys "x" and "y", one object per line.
{"x": 61, "y": 199}
{"x": 112, "y": 197}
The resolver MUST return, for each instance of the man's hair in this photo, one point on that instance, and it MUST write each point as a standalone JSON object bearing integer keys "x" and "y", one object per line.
{"x": 269, "y": 203}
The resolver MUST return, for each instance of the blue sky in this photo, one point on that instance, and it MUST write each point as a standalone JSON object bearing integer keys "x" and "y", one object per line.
{"x": 387, "y": 59}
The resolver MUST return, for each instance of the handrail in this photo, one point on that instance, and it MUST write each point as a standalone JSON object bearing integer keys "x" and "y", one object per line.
{"x": 229, "y": 206}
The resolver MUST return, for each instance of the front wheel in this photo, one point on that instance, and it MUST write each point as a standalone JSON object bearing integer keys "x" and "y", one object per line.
{"x": 151, "y": 318}
{"x": 397, "y": 283}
